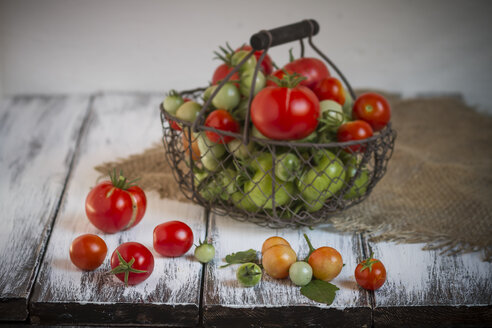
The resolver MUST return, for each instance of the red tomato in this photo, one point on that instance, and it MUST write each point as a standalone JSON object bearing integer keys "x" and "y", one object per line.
{"x": 312, "y": 68}
{"x": 221, "y": 72}
{"x": 266, "y": 64}
{"x": 132, "y": 263}
{"x": 372, "y": 108}
{"x": 88, "y": 252}
{"x": 282, "y": 113}
{"x": 370, "y": 274}
{"x": 115, "y": 205}
{"x": 355, "y": 130}
{"x": 173, "y": 238}
{"x": 330, "y": 89}
{"x": 221, "y": 119}
{"x": 174, "y": 125}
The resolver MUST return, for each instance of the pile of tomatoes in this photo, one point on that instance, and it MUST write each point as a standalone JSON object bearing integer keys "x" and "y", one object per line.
{"x": 300, "y": 102}
{"x": 115, "y": 205}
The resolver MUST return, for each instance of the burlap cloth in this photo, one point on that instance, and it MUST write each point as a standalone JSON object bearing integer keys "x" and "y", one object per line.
{"x": 437, "y": 190}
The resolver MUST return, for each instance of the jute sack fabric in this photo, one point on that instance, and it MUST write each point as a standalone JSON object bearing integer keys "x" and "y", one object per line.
{"x": 437, "y": 190}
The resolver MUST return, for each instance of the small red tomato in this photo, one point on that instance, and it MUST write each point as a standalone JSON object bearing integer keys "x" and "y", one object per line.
{"x": 88, "y": 252}
{"x": 173, "y": 238}
{"x": 355, "y": 130}
{"x": 312, "y": 68}
{"x": 132, "y": 263}
{"x": 115, "y": 205}
{"x": 266, "y": 64}
{"x": 221, "y": 72}
{"x": 370, "y": 274}
{"x": 221, "y": 119}
{"x": 174, "y": 125}
{"x": 372, "y": 108}
{"x": 330, "y": 89}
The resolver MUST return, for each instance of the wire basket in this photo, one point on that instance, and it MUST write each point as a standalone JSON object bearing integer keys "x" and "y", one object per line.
{"x": 269, "y": 182}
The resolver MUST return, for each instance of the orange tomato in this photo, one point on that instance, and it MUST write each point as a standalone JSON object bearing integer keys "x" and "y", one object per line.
{"x": 195, "y": 151}
{"x": 272, "y": 241}
{"x": 277, "y": 260}
{"x": 326, "y": 263}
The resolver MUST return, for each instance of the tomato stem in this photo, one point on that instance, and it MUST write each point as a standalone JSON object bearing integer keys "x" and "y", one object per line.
{"x": 311, "y": 248}
{"x": 125, "y": 267}
{"x": 119, "y": 181}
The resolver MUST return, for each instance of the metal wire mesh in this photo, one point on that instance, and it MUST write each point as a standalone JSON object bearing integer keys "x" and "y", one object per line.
{"x": 272, "y": 183}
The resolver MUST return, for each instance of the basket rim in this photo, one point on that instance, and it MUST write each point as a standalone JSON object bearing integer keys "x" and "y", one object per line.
{"x": 387, "y": 130}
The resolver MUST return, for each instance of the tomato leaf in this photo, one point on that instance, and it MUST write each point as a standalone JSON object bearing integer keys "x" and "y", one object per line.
{"x": 241, "y": 257}
{"x": 320, "y": 291}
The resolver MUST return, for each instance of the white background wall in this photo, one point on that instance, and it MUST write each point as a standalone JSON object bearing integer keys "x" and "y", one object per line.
{"x": 61, "y": 46}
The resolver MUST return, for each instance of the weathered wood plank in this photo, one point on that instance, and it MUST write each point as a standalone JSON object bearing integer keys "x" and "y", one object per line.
{"x": 279, "y": 303}
{"x": 424, "y": 288}
{"x": 38, "y": 136}
{"x": 119, "y": 125}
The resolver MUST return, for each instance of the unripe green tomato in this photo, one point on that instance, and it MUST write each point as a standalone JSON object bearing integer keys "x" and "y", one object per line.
{"x": 300, "y": 273}
{"x": 208, "y": 92}
{"x": 188, "y": 111}
{"x": 227, "y": 98}
{"x": 239, "y": 149}
{"x": 247, "y": 81}
{"x": 238, "y": 56}
{"x": 172, "y": 102}
{"x": 205, "y": 252}
{"x": 248, "y": 274}
{"x": 287, "y": 166}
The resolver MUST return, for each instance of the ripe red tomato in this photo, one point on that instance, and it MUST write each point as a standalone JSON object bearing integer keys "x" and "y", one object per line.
{"x": 311, "y": 68}
{"x": 330, "y": 89}
{"x": 88, "y": 252}
{"x": 370, "y": 274}
{"x": 174, "y": 125}
{"x": 115, "y": 205}
{"x": 221, "y": 72}
{"x": 355, "y": 130}
{"x": 372, "y": 108}
{"x": 282, "y": 113}
{"x": 132, "y": 263}
{"x": 221, "y": 119}
{"x": 266, "y": 64}
{"x": 172, "y": 238}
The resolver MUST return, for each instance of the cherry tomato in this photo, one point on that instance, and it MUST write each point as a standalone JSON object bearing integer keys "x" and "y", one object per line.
{"x": 115, "y": 205}
{"x": 88, "y": 252}
{"x": 221, "y": 72}
{"x": 326, "y": 263}
{"x": 228, "y": 97}
{"x": 132, "y": 263}
{"x": 354, "y": 130}
{"x": 330, "y": 88}
{"x": 172, "y": 238}
{"x": 272, "y": 241}
{"x": 174, "y": 125}
{"x": 372, "y": 108}
{"x": 266, "y": 64}
{"x": 172, "y": 102}
{"x": 312, "y": 68}
{"x": 283, "y": 113}
{"x": 205, "y": 252}
{"x": 195, "y": 150}
{"x": 277, "y": 260}
{"x": 300, "y": 273}
{"x": 221, "y": 119}
{"x": 248, "y": 274}
{"x": 370, "y": 274}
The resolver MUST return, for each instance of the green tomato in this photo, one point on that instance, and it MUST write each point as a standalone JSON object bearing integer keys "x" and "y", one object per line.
{"x": 257, "y": 134}
{"x": 248, "y": 274}
{"x": 243, "y": 202}
{"x": 227, "y": 98}
{"x": 316, "y": 205}
{"x": 310, "y": 138}
{"x": 300, "y": 273}
{"x": 247, "y": 81}
{"x": 347, "y": 106}
{"x": 238, "y": 56}
{"x": 241, "y": 151}
{"x": 188, "y": 111}
{"x": 287, "y": 166}
{"x": 226, "y": 179}
{"x": 205, "y": 252}
{"x": 172, "y": 102}
{"x": 332, "y": 111}
{"x": 241, "y": 110}
{"x": 260, "y": 190}
{"x": 328, "y": 177}
{"x": 262, "y": 162}
{"x": 360, "y": 185}
{"x": 208, "y": 92}
{"x": 210, "y": 152}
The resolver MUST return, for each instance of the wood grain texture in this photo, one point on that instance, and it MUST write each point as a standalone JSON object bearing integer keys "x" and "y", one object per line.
{"x": 424, "y": 288}
{"x": 119, "y": 125}
{"x": 273, "y": 302}
{"x": 38, "y": 136}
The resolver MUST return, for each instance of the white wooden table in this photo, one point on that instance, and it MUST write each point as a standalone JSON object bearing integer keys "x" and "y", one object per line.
{"x": 48, "y": 149}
